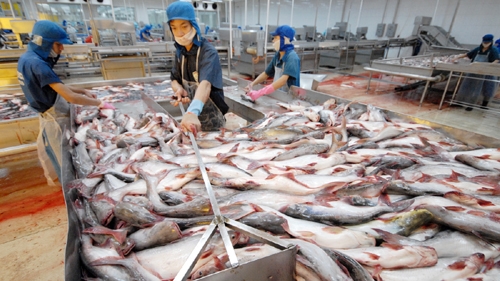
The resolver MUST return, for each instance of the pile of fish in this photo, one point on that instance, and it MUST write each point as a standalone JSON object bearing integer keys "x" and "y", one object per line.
{"x": 14, "y": 106}
{"x": 343, "y": 182}
{"x": 426, "y": 61}
{"x": 160, "y": 90}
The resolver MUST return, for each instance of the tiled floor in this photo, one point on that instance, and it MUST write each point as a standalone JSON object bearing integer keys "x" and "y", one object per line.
{"x": 33, "y": 221}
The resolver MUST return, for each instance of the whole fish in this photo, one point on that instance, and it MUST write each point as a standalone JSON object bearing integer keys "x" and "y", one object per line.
{"x": 446, "y": 269}
{"x": 483, "y": 225}
{"x": 134, "y": 214}
{"x": 356, "y": 271}
{"x": 448, "y": 244}
{"x": 81, "y": 161}
{"x": 302, "y": 150}
{"x": 394, "y": 256}
{"x": 402, "y": 224}
{"x": 159, "y": 234}
{"x": 339, "y": 212}
{"x": 331, "y": 237}
{"x": 478, "y": 163}
{"x": 322, "y": 263}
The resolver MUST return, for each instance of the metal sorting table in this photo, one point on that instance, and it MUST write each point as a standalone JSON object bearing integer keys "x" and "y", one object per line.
{"x": 21, "y": 133}
{"x": 482, "y": 68}
{"x": 245, "y": 109}
{"x": 409, "y": 68}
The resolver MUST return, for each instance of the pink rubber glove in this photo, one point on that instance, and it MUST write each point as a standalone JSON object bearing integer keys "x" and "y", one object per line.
{"x": 262, "y": 92}
{"x": 105, "y": 105}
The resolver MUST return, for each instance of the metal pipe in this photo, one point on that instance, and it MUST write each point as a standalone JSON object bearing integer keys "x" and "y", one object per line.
{"x": 414, "y": 76}
{"x": 435, "y": 11}
{"x": 385, "y": 9}
{"x": 329, "y": 12}
{"x": 395, "y": 12}
{"x": 291, "y": 16}
{"x": 12, "y": 9}
{"x": 278, "y": 16}
{"x": 359, "y": 14}
{"x": 267, "y": 31}
{"x": 258, "y": 13}
{"x": 246, "y": 7}
{"x": 343, "y": 11}
{"x": 113, "y": 11}
{"x": 452, "y": 21}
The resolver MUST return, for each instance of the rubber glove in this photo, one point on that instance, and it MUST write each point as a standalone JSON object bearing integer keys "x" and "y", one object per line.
{"x": 254, "y": 95}
{"x": 105, "y": 105}
{"x": 191, "y": 123}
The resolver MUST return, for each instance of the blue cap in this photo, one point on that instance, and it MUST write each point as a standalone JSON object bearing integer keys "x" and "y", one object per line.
{"x": 284, "y": 30}
{"x": 49, "y": 32}
{"x": 497, "y": 42}
{"x": 488, "y": 38}
{"x": 148, "y": 27}
{"x": 183, "y": 11}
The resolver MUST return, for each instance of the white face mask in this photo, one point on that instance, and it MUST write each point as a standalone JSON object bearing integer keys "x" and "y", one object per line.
{"x": 53, "y": 54}
{"x": 276, "y": 45}
{"x": 187, "y": 38}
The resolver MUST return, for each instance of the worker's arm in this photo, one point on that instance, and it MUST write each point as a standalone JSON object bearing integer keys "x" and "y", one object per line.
{"x": 280, "y": 82}
{"x": 72, "y": 97}
{"x": 190, "y": 121}
{"x": 261, "y": 78}
{"x": 82, "y": 91}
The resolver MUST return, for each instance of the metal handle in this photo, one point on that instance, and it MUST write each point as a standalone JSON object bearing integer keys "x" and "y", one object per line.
{"x": 219, "y": 220}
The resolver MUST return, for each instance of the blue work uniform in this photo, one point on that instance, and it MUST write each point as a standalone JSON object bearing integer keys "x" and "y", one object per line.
{"x": 144, "y": 31}
{"x": 208, "y": 69}
{"x": 291, "y": 64}
{"x": 474, "y": 85}
{"x": 35, "y": 74}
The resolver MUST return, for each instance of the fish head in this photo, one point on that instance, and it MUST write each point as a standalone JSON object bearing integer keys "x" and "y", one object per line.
{"x": 409, "y": 221}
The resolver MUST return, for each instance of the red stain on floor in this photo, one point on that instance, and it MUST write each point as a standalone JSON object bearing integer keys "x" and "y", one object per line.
{"x": 23, "y": 187}
{"x": 31, "y": 205}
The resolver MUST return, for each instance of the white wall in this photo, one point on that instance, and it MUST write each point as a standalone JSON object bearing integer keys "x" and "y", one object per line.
{"x": 474, "y": 18}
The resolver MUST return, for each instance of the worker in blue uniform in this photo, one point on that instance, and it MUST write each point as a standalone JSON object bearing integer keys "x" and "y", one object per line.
{"x": 196, "y": 74}
{"x": 475, "y": 84}
{"x": 145, "y": 34}
{"x": 47, "y": 95}
{"x": 284, "y": 67}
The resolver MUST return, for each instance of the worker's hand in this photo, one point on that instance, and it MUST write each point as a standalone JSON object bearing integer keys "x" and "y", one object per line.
{"x": 254, "y": 95}
{"x": 248, "y": 88}
{"x": 256, "y": 60}
{"x": 89, "y": 94}
{"x": 180, "y": 96}
{"x": 105, "y": 105}
{"x": 190, "y": 123}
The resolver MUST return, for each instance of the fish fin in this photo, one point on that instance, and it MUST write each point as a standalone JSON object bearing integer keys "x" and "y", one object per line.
{"x": 334, "y": 187}
{"x": 425, "y": 178}
{"x": 254, "y": 165}
{"x": 392, "y": 246}
{"x": 372, "y": 256}
{"x": 401, "y": 205}
{"x": 376, "y": 273}
{"x": 234, "y": 149}
{"x": 454, "y": 208}
{"x": 453, "y": 177}
{"x": 388, "y": 237}
{"x": 271, "y": 176}
{"x": 257, "y": 208}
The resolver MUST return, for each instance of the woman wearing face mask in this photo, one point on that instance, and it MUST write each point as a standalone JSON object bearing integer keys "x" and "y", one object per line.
{"x": 47, "y": 95}
{"x": 284, "y": 68}
{"x": 473, "y": 84}
{"x": 196, "y": 75}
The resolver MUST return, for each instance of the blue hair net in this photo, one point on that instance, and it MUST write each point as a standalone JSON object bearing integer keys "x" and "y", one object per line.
{"x": 183, "y": 11}
{"x": 45, "y": 34}
{"x": 284, "y": 30}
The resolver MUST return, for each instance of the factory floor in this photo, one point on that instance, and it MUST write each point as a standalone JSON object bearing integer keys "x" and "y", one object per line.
{"x": 33, "y": 220}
